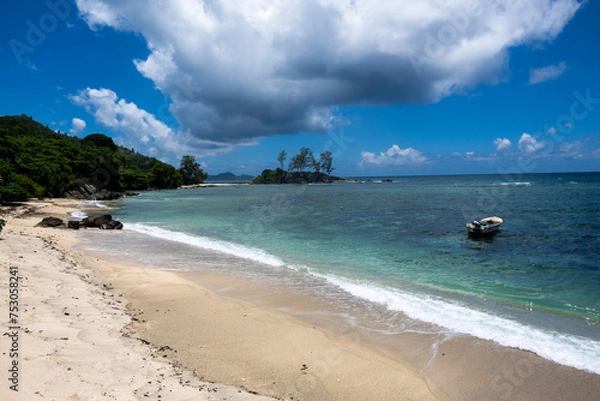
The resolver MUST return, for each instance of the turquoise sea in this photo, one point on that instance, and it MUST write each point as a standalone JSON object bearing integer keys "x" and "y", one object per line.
{"x": 400, "y": 243}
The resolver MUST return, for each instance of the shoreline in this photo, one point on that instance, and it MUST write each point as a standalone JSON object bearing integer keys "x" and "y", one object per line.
{"x": 240, "y": 334}
{"x": 69, "y": 335}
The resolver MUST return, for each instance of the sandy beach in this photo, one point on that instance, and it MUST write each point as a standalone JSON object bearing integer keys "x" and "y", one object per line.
{"x": 89, "y": 328}
{"x": 70, "y": 337}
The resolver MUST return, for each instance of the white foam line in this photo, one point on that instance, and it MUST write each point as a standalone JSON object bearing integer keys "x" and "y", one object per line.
{"x": 578, "y": 352}
{"x": 228, "y": 248}
{"x": 94, "y": 203}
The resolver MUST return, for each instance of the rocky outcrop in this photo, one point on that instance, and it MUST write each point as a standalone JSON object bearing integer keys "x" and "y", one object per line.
{"x": 96, "y": 221}
{"x": 104, "y": 221}
{"x": 280, "y": 176}
{"x": 50, "y": 222}
{"x": 74, "y": 224}
{"x": 112, "y": 225}
{"x": 91, "y": 192}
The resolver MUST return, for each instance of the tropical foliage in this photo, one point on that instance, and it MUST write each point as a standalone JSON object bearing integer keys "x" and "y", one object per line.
{"x": 36, "y": 161}
{"x": 191, "y": 172}
{"x": 299, "y": 169}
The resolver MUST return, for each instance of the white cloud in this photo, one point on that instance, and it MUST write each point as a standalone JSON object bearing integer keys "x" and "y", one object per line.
{"x": 572, "y": 150}
{"x": 77, "y": 126}
{"x": 394, "y": 156}
{"x": 142, "y": 128}
{"x": 548, "y": 73}
{"x": 503, "y": 145}
{"x": 240, "y": 70}
{"x": 136, "y": 124}
{"x": 528, "y": 144}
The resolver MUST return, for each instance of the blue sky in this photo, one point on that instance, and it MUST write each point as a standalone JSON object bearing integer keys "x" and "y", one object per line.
{"x": 389, "y": 87}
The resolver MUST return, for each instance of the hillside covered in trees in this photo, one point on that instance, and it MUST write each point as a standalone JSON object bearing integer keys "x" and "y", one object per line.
{"x": 36, "y": 161}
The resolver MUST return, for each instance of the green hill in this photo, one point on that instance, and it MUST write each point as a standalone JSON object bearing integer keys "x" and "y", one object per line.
{"x": 230, "y": 177}
{"x": 36, "y": 161}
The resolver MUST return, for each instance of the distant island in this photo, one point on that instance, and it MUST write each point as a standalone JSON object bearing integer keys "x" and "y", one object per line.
{"x": 297, "y": 169}
{"x": 36, "y": 161}
{"x": 279, "y": 176}
{"x": 229, "y": 177}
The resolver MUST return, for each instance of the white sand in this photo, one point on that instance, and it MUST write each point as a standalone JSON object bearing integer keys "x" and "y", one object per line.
{"x": 73, "y": 340}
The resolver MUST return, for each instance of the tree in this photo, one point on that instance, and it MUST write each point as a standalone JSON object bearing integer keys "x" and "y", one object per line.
{"x": 100, "y": 141}
{"x": 281, "y": 158}
{"x": 133, "y": 178}
{"x": 302, "y": 160}
{"x": 163, "y": 175}
{"x": 191, "y": 172}
{"x": 326, "y": 161}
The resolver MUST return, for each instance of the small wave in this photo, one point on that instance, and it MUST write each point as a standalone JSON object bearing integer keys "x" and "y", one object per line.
{"x": 578, "y": 352}
{"x": 92, "y": 204}
{"x": 240, "y": 251}
{"x": 78, "y": 214}
{"x": 517, "y": 183}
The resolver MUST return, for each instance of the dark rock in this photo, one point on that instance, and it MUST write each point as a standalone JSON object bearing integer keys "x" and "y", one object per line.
{"x": 80, "y": 191}
{"x": 96, "y": 221}
{"x": 74, "y": 224}
{"x": 112, "y": 225}
{"x": 50, "y": 222}
{"x": 105, "y": 194}
{"x": 92, "y": 192}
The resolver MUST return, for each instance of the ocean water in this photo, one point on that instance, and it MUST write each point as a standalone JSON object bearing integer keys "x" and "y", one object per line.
{"x": 400, "y": 243}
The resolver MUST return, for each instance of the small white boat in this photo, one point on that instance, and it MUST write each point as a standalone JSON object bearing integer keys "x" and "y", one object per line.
{"x": 486, "y": 226}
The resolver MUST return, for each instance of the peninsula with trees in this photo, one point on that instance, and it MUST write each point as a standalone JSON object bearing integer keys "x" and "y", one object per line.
{"x": 303, "y": 168}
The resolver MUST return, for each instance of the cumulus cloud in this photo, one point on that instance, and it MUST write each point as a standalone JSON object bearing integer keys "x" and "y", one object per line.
{"x": 394, "y": 156}
{"x": 503, "y": 145}
{"x": 136, "y": 124}
{"x": 528, "y": 144}
{"x": 548, "y": 73}
{"x": 236, "y": 71}
{"x": 77, "y": 126}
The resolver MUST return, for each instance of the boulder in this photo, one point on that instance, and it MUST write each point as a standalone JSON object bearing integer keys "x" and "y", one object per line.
{"x": 74, "y": 224}
{"x": 50, "y": 222}
{"x": 96, "y": 221}
{"x": 112, "y": 225}
{"x": 92, "y": 192}
{"x": 105, "y": 194}
{"x": 104, "y": 221}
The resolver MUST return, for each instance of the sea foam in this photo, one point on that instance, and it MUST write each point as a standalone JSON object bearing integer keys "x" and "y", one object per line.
{"x": 578, "y": 352}
{"x": 240, "y": 251}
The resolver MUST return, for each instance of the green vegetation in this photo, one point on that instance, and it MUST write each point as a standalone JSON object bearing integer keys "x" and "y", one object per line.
{"x": 2, "y": 223}
{"x": 297, "y": 169}
{"x": 305, "y": 159}
{"x": 36, "y": 161}
{"x": 190, "y": 171}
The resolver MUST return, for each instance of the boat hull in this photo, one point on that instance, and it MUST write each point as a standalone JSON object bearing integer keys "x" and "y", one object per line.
{"x": 487, "y": 226}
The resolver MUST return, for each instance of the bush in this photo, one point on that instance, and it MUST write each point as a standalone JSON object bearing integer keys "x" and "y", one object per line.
{"x": 20, "y": 187}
